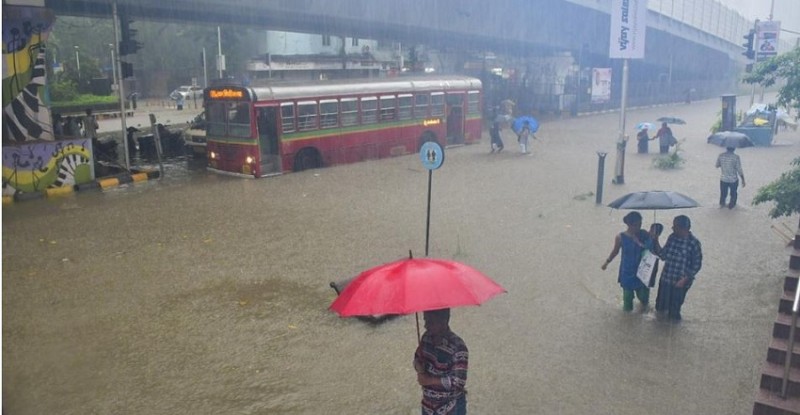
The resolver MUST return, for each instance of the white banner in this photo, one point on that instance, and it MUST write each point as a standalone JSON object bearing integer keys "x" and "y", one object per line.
{"x": 766, "y": 41}
{"x": 628, "y": 27}
{"x": 601, "y": 85}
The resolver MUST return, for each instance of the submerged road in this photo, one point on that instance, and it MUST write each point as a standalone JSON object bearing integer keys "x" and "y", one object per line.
{"x": 209, "y": 294}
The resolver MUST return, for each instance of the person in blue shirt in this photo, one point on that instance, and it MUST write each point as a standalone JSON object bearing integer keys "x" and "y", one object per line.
{"x": 632, "y": 242}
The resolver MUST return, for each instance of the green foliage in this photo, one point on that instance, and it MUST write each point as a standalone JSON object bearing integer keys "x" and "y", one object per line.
{"x": 65, "y": 90}
{"x": 786, "y": 67}
{"x": 85, "y": 101}
{"x": 717, "y": 124}
{"x": 670, "y": 161}
{"x": 785, "y": 192}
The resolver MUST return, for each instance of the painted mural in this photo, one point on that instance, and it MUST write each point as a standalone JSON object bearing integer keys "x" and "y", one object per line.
{"x": 25, "y": 115}
{"x": 46, "y": 164}
{"x": 32, "y": 160}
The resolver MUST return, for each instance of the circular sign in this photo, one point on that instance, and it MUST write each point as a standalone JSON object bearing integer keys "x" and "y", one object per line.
{"x": 432, "y": 155}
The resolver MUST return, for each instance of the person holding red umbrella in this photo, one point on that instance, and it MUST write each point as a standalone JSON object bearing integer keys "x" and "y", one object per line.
{"x": 441, "y": 362}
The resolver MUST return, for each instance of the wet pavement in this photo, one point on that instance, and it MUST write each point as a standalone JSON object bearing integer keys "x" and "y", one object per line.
{"x": 205, "y": 294}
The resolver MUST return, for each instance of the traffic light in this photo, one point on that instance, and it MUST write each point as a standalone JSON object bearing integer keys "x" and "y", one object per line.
{"x": 126, "y": 69}
{"x": 748, "y": 45}
{"x": 128, "y": 45}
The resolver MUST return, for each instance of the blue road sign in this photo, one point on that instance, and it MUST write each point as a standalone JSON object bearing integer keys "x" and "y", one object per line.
{"x": 432, "y": 155}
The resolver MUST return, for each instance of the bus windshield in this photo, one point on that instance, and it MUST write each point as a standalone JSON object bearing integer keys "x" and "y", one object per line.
{"x": 229, "y": 118}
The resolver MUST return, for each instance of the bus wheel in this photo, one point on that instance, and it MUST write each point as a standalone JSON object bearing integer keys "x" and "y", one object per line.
{"x": 307, "y": 159}
{"x": 426, "y": 137}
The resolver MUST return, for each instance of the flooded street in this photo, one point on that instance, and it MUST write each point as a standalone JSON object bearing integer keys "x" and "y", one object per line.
{"x": 209, "y": 295}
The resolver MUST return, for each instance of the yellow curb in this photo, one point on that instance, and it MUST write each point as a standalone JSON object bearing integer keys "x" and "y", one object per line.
{"x": 139, "y": 177}
{"x": 106, "y": 183}
{"x": 59, "y": 191}
{"x": 7, "y": 200}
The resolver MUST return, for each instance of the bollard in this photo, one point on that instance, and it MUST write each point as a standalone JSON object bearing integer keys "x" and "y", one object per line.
{"x": 601, "y": 163}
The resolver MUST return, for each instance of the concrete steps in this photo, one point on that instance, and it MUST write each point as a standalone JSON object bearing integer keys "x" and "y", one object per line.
{"x": 768, "y": 400}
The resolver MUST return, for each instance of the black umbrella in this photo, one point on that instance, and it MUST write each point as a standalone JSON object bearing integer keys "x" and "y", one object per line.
{"x": 671, "y": 120}
{"x": 730, "y": 139}
{"x": 654, "y": 200}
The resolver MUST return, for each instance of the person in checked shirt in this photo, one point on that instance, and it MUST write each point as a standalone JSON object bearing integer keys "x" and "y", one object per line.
{"x": 731, "y": 166}
{"x": 683, "y": 258}
{"x": 441, "y": 362}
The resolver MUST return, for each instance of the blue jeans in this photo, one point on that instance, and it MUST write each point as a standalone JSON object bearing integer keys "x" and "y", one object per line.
{"x": 723, "y": 192}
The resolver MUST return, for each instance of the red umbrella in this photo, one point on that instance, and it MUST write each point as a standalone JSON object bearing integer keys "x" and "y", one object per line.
{"x": 412, "y": 285}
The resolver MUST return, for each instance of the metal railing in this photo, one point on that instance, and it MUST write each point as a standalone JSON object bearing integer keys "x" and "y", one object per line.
{"x": 790, "y": 348}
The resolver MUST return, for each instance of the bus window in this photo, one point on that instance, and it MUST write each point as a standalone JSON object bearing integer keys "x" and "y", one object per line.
{"x": 306, "y": 115}
{"x": 437, "y": 103}
{"x": 473, "y": 102}
{"x": 287, "y": 117}
{"x": 388, "y": 103}
{"x": 421, "y": 106}
{"x": 215, "y": 113}
{"x": 405, "y": 104}
{"x": 329, "y": 113}
{"x": 239, "y": 119}
{"x": 349, "y": 111}
{"x": 369, "y": 110}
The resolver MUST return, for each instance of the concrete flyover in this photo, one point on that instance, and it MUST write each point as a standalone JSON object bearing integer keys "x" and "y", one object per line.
{"x": 537, "y": 29}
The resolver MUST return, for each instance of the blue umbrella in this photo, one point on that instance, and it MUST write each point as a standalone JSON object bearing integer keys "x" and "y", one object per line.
{"x": 533, "y": 124}
{"x": 643, "y": 125}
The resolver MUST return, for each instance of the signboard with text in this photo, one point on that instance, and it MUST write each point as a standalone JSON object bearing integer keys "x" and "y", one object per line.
{"x": 628, "y": 27}
{"x": 766, "y": 41}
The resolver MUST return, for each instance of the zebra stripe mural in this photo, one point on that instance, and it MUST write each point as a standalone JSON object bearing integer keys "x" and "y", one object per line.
{"x": 25, "y": 115}
{"x": 32, "y": 159}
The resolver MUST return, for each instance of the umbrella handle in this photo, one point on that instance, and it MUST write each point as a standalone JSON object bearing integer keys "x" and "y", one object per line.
{"x": 416, "y": 316}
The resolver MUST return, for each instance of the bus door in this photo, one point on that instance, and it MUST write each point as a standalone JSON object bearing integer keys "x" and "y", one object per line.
{"x": 455, "y": 118}
{"x": 267, "y": 119}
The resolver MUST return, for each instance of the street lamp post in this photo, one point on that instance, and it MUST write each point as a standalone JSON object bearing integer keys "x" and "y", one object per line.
{"x": 113, "y": 69}
{"x": 78, "y": 62}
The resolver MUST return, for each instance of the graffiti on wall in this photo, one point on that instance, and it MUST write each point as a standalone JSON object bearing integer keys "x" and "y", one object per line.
{"x": 25, "y": 115}
{"x": 37, "y": 166}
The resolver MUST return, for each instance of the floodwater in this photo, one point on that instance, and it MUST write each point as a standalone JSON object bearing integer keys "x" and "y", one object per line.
{"x": 209, "y": 295}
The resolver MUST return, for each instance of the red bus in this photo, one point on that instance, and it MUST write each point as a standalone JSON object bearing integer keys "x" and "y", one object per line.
{"x": 258, "y": 131}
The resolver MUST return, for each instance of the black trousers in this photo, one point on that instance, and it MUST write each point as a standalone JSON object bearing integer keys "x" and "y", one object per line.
{"x": 723, "y": 192}
{"x": 670, "y": 299}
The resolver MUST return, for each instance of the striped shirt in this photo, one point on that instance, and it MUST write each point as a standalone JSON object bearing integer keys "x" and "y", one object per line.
{"x": 446, "y": 358}
{"x": 682, "y": 257}
{"x": 731, "y": 166}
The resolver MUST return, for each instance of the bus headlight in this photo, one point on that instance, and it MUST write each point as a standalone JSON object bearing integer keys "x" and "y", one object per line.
{"x": 212, "y": 154}
{"x": 249, "y": 160}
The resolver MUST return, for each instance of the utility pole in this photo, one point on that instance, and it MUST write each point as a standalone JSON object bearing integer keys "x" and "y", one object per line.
{"x": 220, "y": 58}
{"x": 114, "y": 18}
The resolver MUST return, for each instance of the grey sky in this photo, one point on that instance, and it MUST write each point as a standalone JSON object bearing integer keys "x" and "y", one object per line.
{"x": 787, "y": 11}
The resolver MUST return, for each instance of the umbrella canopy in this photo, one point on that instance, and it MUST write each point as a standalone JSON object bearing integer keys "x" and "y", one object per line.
{"x": 654, "y": 200}
{"x": 671, "y": 120}
{"x": 533, "y": 124}
{"x": 730, "y": 139}
{"x": 645, "y": 125}
{"x": 412, "y": 285}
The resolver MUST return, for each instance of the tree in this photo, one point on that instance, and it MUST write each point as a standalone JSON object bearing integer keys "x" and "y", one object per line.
{"x": 786, "y": 67}
{"x": 785, "y": 192}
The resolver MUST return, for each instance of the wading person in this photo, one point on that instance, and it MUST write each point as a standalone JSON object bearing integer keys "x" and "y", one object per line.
{"x": 441, "y": 362}
{"x": 683, "y": 257}
{"x": 643, "y": 141}
{"x": 497, "y": 141}
{"x": 632, "y": 242}
{"x": 730, "y": 166}
{"x": 665, "y": 138}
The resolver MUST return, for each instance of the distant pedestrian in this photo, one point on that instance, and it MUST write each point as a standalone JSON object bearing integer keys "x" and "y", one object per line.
{"x": 497, "y": 140}
{"x": 665, "y": 138}
{"x": 632, "y": 242}
{"x": 523, "y": 137}
{"x": 180, "y": 101}
{"x": 643, "y": 141}
{"x": 58, "y": 126}
{"x": 90, "y": 125}
{"x": 730, "y": 166}
{"x": 683, "y": 258}
{"x": 72, "y": 127}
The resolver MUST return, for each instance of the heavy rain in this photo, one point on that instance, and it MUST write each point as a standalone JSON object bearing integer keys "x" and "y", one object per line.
{"x": 201, "y": 293}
